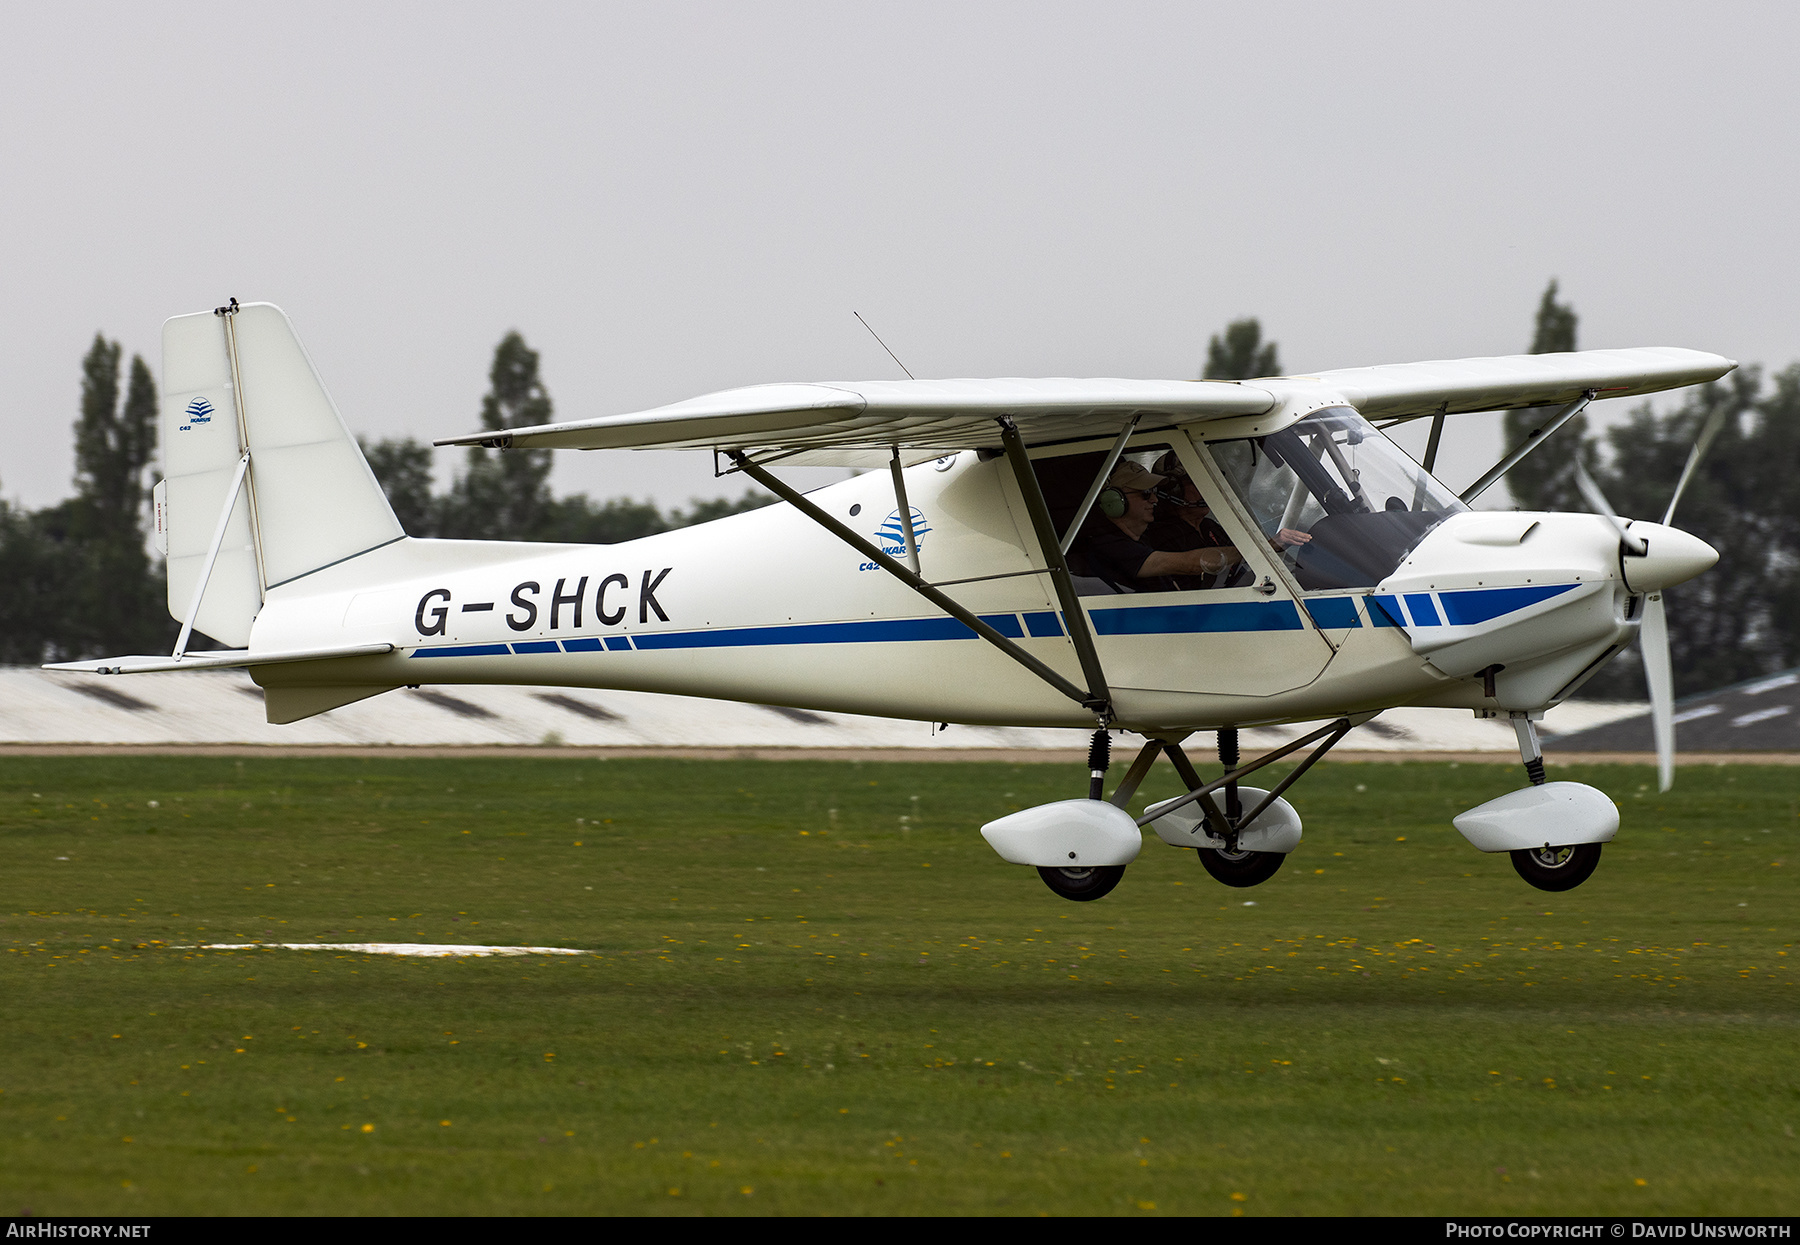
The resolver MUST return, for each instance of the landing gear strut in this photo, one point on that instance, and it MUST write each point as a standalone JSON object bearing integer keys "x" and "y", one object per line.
{"x": 1548, "y": 868}
{"x": 1081, "y": 847}
{"x": 1093, "y": 881}
{"x": 1230, "y": 863}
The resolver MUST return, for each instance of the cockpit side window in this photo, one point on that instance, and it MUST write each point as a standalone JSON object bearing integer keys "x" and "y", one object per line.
{"x": 1150, "y": 530}
{"x": 1342, "y": 502}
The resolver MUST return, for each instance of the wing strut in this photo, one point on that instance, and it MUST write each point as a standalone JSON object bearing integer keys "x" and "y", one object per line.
{"x": 901, "y": 572}
{"x": 905, "y": 507}
{"x": 1431, "y": 445}
{"x": 1534, "y": 439}
{"x": 1099, "y": 484}
{"x": 1099, "y": 699}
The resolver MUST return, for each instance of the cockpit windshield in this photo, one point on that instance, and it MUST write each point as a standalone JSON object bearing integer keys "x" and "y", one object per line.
{"x": 1342, "y": 502}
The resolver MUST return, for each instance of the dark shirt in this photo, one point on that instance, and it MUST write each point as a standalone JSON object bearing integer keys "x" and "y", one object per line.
{"x": 1173, "y": 534}
{"x": 1105, "y": 552}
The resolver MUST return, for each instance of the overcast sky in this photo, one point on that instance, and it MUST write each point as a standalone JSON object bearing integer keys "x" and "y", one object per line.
{"x": 669, "y": 199}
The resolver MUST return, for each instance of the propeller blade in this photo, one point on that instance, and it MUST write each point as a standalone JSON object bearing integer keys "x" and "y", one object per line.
{"x": 1659, "y": 674}
{"x": 1702, "y": 443}
{"x": 1653, "y": 634}
{"x": 1591, "y": 493}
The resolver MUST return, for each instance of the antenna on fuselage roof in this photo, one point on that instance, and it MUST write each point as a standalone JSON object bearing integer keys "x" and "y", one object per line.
{"x": 883, "y": 345}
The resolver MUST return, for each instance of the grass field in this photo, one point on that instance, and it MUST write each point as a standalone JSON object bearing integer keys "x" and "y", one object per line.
{"x": 815, "y": 989}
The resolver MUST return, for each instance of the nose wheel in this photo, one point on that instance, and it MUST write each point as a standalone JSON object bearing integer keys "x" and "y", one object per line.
{"x": 1549, "y": 868}
{"x": 1557, "y": 868}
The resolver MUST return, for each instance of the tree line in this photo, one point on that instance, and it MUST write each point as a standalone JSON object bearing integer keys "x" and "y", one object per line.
{"x": 505, "y": 494}
{"x": 76, "y": 578}
{"x": 80, "y": 582}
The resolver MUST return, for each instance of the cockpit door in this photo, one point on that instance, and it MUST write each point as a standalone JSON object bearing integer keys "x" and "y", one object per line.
{"x": 1252, "y": 638}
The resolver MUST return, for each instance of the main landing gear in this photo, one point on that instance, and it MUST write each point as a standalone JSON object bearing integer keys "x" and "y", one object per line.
{"x": 1241, "y": 842}
{"x": 1557, "y": 868}
{"x": 1082, "y": 885}
{"x": 1239, "y": 866}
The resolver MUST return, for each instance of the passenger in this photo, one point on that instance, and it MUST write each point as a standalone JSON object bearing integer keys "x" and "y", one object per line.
{"x": 1110, "y": 545}
{"x": 1184, "y": 521}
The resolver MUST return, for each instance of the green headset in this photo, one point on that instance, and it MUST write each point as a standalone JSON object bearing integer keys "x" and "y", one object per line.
{"x": 1113, "y": 502}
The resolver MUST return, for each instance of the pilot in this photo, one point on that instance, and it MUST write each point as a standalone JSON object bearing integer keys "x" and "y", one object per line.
{"x": 1110, "y": 546}
{"x": 1191, "y": 510}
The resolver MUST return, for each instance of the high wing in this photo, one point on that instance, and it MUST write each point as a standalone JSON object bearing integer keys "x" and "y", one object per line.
{"x": 1459, "y": 386}
{"x": 858, "y": 423}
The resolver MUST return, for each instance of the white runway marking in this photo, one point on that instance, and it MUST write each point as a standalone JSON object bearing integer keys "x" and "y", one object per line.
{"x": 393, "y": 948}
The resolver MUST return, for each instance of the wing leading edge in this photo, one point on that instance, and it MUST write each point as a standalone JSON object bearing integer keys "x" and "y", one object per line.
{"x": 857, "y": 423}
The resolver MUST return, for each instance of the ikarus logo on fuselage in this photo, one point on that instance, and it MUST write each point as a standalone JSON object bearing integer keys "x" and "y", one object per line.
{"x": 890, "y": 537}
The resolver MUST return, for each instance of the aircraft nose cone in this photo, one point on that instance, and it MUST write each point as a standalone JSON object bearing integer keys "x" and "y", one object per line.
{"x": 1671, "y": 557}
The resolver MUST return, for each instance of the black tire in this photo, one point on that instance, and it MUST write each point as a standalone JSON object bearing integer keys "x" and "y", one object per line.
{"x": 1241, "y": 868}
{"x": 1082, "y": 885}
{"x": 1557, "y": 868}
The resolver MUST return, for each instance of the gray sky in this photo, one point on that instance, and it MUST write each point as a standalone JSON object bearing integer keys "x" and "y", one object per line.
{"x": 670, "y": 199}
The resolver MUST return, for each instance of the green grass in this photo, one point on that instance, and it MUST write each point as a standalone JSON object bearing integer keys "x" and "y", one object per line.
{"x": 800, "y": 1002}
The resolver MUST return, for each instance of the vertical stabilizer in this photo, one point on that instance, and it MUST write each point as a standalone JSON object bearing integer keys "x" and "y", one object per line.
{"x": 235, "y": 382}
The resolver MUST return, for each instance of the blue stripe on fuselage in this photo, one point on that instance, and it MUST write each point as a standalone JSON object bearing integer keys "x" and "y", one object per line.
{"x": 1332, "y": 613}
{"x": 1464, "y": 608}
{"x": 1190, "y": 619}
{"x": 1460, "y": 608}
{"x": 873, "y": 631}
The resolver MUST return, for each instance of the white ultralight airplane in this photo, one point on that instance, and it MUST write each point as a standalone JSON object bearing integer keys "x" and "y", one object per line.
{"x": 954, "y": 587}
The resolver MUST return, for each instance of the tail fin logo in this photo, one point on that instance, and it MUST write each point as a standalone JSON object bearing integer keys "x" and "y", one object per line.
{"x": 199, "y": 411}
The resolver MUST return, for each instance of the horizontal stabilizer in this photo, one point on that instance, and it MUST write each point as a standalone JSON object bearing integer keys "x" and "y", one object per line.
{"x": 227, "y": 660}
